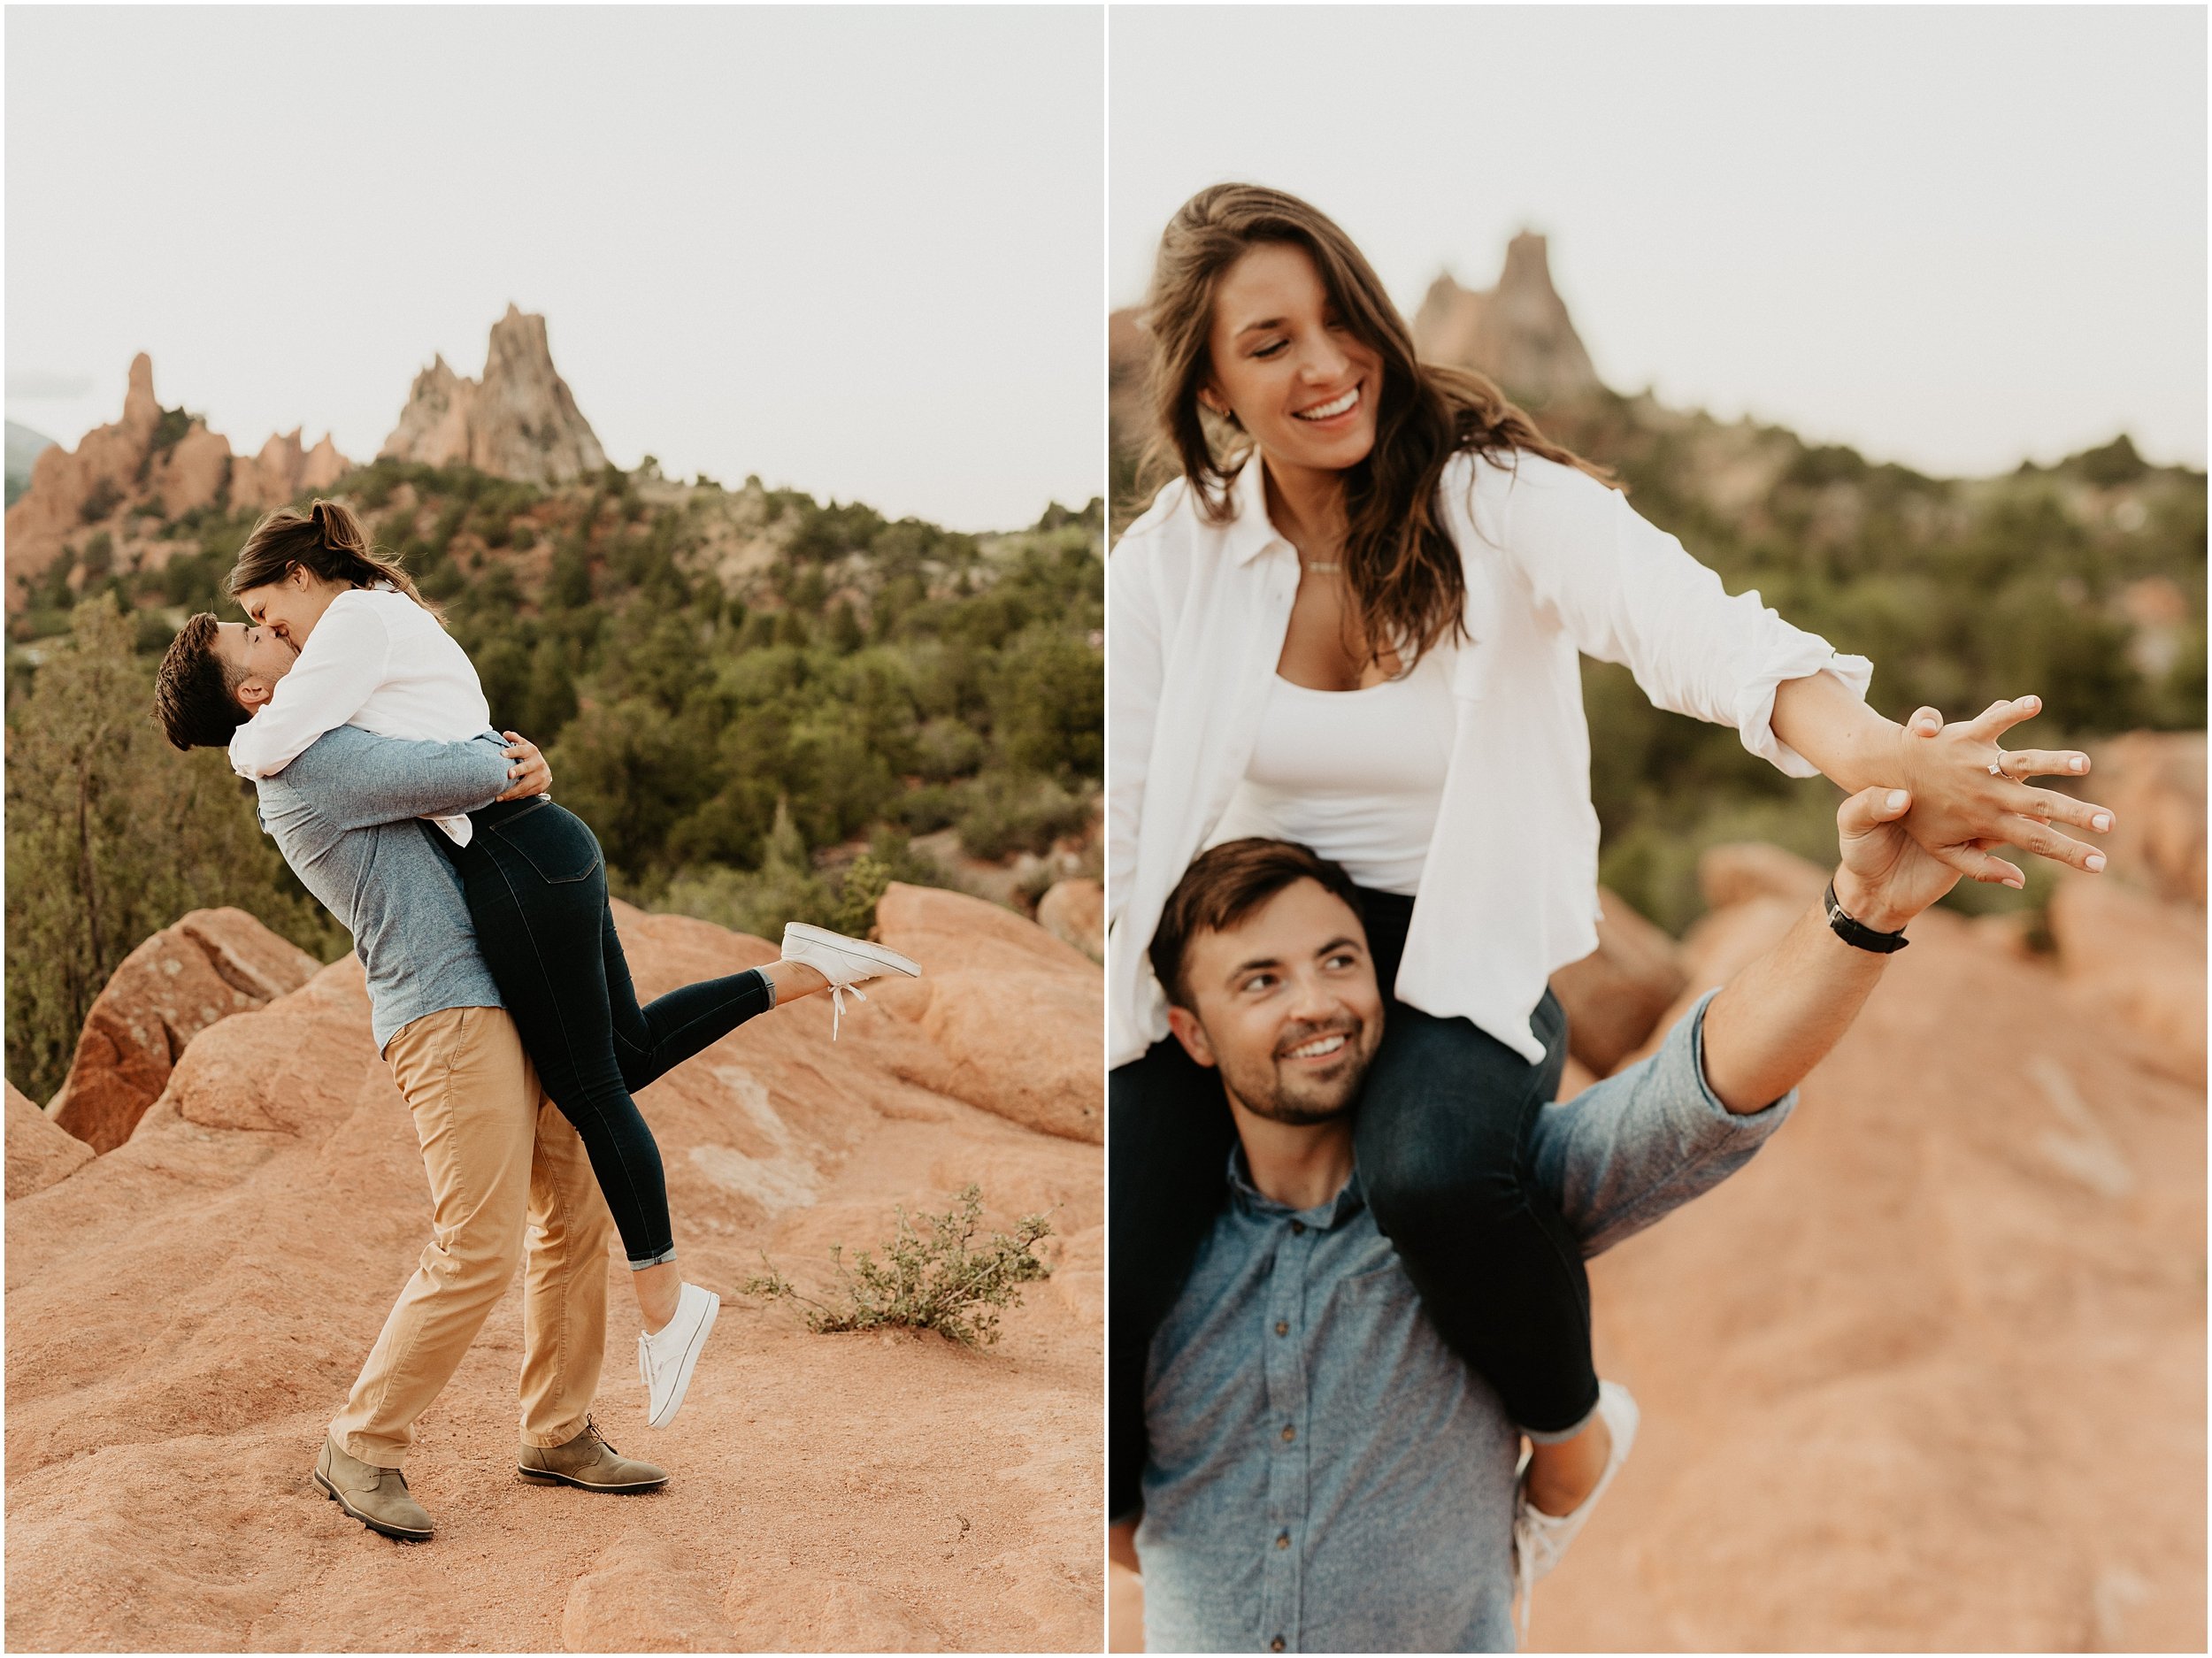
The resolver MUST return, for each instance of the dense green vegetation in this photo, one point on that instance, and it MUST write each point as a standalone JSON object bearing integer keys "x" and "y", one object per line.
{"x": 2083, "y": 584}
{"x": 757, "y": 700}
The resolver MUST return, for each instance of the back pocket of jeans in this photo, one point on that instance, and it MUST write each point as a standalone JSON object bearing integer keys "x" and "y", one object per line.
{"x": 557, "y": 844}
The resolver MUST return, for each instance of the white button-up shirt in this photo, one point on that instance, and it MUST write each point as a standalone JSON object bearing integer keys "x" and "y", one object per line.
{"x": 1557, "y": 563}
{"x": 377, "y": 660}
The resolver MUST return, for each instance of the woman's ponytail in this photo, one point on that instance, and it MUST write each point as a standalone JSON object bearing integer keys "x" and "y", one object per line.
{"x": 327, "y": 541}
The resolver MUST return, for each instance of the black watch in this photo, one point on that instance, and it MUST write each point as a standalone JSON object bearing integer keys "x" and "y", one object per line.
{"x": 1857, "y": 933}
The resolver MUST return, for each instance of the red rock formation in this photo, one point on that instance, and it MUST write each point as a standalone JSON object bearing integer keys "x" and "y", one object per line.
{"x": 519, "y": 421}
{"x": 1615, "y": 995}
{"x": 2140, "y": 962}
{"x": 1021, "y": 1048}
{"x": 40, "y": 1152}
{"x": 1746, "y": 870}
{"x": 1517, "y": 332}
{"x": 210, "y": 964}
{"x": 284, "y": 471}
{"x": 201, "y": 1298}
{"x": 2155, "y": 782}
{"x": 65, "y": 484}
{"x": 118, "y": 468}
{"x": 1074, "y": 912}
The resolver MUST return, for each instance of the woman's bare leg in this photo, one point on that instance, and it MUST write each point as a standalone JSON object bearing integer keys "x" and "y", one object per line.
{"x": 793, "y": 979}
{"x": 1562, "y": 1474}
{"x": 657, "y": 1288}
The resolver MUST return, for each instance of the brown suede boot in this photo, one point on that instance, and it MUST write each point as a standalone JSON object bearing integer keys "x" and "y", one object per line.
{"x": 377, "y": 1497}
{"x": 588, "y": 1462}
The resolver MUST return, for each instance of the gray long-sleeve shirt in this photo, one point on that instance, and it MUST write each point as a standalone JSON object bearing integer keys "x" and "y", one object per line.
{"x": 1325, "y": 1474}
{"x": 344, "y": 816}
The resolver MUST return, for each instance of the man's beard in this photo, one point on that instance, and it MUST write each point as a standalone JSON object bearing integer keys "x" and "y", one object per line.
{"x": 1266, "y": 1089}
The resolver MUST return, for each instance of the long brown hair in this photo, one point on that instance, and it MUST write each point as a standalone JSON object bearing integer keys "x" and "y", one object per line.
{"x": 326, "y": 541}
{"x": 1407, "y": 584}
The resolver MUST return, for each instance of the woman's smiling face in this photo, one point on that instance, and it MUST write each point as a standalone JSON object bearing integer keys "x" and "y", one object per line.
{"x": 1286, "y": 364}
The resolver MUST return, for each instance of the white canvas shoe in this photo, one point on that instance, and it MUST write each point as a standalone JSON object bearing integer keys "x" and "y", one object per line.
{"x": 666, "y": 1358}
{"x": 844, "y": 962}
{"x": 1541, "y": 1539}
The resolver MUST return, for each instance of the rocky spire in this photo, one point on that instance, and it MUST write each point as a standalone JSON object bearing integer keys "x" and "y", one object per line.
{"x": 144, "y": 460}
{"x": 1517, "y": 332}
{"x": 519, "y": 421}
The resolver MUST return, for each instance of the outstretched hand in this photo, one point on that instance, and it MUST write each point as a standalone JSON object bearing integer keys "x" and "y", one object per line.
{"x": 1961, "y": 810}
{"x": 531, "y": 774}
{"x": 1887, "y": 877}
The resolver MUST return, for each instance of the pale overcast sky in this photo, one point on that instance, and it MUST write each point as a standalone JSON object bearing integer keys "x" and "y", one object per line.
{"x": 857, "y": 251}
{"x": 1951, "y": 237}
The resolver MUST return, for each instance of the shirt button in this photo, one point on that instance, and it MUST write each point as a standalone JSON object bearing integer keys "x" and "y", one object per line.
{"x": 1282, "y": 1540}
{"x": 1282, "y": 1326}
{"x": 1297, "y": 1229}
{"x": 1276, "y": 1644}
{"x": 1289, "y": 1433}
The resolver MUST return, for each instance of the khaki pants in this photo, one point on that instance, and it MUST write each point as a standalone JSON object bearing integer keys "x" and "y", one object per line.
{"x": 498, "y": 1153}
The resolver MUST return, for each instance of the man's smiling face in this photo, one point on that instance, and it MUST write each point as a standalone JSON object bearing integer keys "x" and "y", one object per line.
{"x": 1286, "y": 1004}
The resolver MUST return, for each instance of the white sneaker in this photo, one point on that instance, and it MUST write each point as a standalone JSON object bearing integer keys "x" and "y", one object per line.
{"x": 844, "y": 962}
{"x": 666, "y": 1357}
{"x": 1541, "y": 1539}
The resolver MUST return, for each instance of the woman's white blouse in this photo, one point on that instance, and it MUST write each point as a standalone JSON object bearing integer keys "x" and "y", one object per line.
{"x": 1556, "y": 564}
{"x": 377, "y": 660}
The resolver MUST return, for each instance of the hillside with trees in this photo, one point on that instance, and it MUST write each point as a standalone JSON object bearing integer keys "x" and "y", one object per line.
{"x": 767, "y": 707}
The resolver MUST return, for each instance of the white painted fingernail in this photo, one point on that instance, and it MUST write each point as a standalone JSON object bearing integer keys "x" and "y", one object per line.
{"x": 2096, "y": 863}
{"x": 2101, "y": 822}
{"x": 1897, "y": 798}
{"x": 2078, "y": 764}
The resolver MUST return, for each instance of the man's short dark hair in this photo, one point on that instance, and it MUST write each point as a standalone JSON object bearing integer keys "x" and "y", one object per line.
{"x": 1225, "y": 884}
{"x": 195, "y": 692}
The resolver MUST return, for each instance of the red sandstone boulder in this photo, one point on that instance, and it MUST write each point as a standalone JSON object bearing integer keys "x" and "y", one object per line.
{"x": 2139, "y": 962}
{"x": 210, "y": 964}
{"x": 40, "y": 1152}
{"x": 1744, "y": 870}
{"x": 1074, "y": 912}
{"x": 1014, "y": 1012}
{"x": 1614, "y": 996}
{"x": 2155, "y": 782}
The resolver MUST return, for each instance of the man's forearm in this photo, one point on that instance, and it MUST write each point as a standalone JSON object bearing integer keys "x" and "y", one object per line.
{"x": 1777, "y": 1019}
{"x": 384, "y": 780}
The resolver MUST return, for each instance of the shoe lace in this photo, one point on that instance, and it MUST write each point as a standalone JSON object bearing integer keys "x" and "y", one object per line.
{"x": 1528, "y": 1544}
{"x": 837, "y": 1003}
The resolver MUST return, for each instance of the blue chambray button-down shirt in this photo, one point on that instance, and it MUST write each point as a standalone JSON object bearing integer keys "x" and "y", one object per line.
{"x": 1325, "y": 1474}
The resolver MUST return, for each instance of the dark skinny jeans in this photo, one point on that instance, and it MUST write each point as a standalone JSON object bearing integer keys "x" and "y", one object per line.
{"x": 1442, "y": 1140}
{"x": 537, "y": 886}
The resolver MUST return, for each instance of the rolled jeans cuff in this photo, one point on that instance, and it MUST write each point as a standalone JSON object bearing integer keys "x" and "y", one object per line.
{"x": 770, "y": 985}
{"x": 660, "y": 1259}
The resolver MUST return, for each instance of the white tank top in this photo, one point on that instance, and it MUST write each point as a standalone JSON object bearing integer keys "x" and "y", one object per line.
{"x": 1356, "y": 775}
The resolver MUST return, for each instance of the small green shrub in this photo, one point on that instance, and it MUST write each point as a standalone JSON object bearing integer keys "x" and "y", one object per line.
{"x": 937, "y": 1277}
